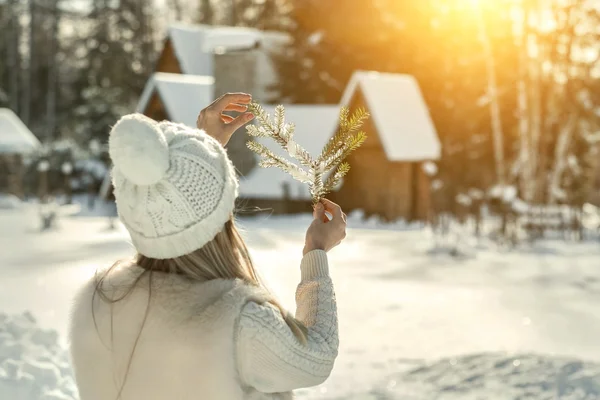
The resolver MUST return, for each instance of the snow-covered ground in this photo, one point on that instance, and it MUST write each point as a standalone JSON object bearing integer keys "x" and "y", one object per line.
{"x": 416, "y": 323}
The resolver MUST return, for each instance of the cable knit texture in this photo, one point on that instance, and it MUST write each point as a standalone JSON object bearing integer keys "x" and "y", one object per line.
{"x": 214, "y": 340}
{"x": 270, "y": 358}
{"x": 175, "y": 186}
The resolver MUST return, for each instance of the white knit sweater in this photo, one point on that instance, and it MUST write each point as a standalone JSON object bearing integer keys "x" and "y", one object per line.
{"x": 270, "y": 359}
{"x": 212, "y": 340}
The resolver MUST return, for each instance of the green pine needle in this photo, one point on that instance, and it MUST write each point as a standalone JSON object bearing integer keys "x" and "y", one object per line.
{"x": 336, "y": 177}
{"x": 347, "y": 126}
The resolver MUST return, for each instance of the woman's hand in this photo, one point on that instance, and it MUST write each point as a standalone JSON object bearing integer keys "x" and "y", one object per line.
{"x": 325, "y": 233}
{"x": 221, "y": 126}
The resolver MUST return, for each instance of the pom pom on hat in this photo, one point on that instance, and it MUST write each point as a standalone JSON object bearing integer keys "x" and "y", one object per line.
{"x": 139, "y": 149}
{"x": 195, "y": 199}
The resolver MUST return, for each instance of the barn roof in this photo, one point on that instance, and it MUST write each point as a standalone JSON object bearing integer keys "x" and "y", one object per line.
{"x": 399, "y": 113}
{"x": 182, "y": 95}
{"x": 15, "y": 137}
{"x": 314, "y": 124}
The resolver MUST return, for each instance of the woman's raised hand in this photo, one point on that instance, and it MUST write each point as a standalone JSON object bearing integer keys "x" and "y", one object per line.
{"x": 325, "y": 233}
{"x": 222, "y": 126}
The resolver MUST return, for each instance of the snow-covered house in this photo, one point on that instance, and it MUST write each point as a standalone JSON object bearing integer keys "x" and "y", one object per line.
{"x": 16, "y": 140}
{"x": 389, "y": 174}
{"x": 199, "y": 63}
{"x": 388, "y": 177}
{"x": 15, "y": 137}
{"x": 238, "y": 58}
{"x": 176, "y": 97}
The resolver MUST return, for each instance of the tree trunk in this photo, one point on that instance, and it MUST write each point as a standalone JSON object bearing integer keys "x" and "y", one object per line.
{"x": 14, "y": 64}
{"x": 233, "y": 13}
{"x": 145, "y": 34}
{"x": 30, "y": 76}
{"x": 175, "y": 5}
{"x": 492, "y": 88}
{"x": 560, "y": 157}
{"x": 52, "y": 73}
{"x": 206, "y": 13}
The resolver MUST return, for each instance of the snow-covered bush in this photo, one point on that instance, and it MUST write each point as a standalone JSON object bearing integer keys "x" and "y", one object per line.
{"x": 33, "y": 366}
{"x": 9, "y": 202}
{"x": 65, "y": 162}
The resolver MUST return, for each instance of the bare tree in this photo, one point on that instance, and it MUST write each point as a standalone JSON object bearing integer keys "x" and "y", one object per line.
{"x": 492, "y": 89}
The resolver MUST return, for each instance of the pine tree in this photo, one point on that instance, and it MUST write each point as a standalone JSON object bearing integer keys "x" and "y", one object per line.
{"x": 117, "y": 58}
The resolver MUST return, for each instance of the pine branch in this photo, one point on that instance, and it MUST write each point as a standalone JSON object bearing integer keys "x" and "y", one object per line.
{"x": 264, "y": 118}
{"x": 335, "y": 178}
{"x": 280, "y": 120}
{"x": 316, "y": 186}
{"x": 337, "y": 149}
{"x": 279, "y": 131}
{"x": 344, "y": 115}
{"x": 350, "y": 145}
{"x": 272, "y": 160}
{"x": 256, "y": 131}
{"x": 358, "y": 119}
{"x": 299, "y": 153}
{"x": 347, "y": 126}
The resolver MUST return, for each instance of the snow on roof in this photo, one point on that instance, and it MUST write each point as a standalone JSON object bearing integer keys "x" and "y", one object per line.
{"x": 15, "y": 137}
{"x": 194, "y": 45}
{"x": 188, "y": 45}
{"x": 182, "y": 95}
{"x": 399, "y": 113}
{"x": 314, "y": 126}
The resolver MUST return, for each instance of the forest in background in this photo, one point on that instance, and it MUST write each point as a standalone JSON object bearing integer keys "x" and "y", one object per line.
{"x": 511, "y": 85}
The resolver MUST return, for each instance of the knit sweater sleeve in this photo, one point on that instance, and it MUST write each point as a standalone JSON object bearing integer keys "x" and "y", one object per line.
{"x": 270, "y": 358}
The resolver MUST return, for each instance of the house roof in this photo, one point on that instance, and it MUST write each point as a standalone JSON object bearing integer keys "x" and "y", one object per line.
{"x": 188, "y": 45}
{"x": 182, "y": 95}
{"x": 15, "y": 137}
{"x": 314, "y": 124}
{"x": 194, "y": 45}
{"x": 400, "y": 114}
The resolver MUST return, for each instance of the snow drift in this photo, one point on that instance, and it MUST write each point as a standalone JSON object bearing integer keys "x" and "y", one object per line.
{"x": 32, "y": 365}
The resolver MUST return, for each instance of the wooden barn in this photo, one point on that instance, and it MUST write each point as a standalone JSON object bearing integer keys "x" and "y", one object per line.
{"x": 16, "y": 140}
{"x": 388, "y": 177}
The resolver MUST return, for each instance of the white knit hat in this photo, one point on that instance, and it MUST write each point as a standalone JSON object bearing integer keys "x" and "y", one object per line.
{"x": 175, "y": 186}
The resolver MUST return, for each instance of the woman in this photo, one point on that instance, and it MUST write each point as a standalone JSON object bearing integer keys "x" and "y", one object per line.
{"x": 188, "y": 318}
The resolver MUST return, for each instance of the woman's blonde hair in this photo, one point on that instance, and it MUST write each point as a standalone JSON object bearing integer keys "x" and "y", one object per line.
{"x": 225, "y": 257}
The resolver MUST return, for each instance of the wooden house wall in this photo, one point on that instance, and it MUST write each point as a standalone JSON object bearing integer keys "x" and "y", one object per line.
{"x": 250, "y": 206}
{"x": 156, "y": 109}
{"x": 167, "y": 61}
{"x": 378, "y": 186}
